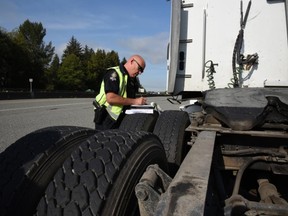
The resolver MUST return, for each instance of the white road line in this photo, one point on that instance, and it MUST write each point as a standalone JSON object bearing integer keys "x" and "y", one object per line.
{"x": 36, "y": 107}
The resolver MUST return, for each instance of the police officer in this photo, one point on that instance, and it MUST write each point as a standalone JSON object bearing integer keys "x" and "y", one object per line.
{"x": 118, "y": 89}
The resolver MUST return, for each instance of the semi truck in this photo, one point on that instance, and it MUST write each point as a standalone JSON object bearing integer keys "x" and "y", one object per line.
{"x": 223, "y": 154}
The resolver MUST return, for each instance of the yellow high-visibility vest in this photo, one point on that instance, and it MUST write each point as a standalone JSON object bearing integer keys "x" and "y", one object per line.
{"x": 113, "y": 110}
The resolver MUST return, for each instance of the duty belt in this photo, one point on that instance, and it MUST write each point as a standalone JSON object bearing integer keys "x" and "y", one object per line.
{"x": 96, "y": 104}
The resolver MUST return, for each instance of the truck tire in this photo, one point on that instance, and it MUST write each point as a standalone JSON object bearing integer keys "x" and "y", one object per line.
{"x": 139, "y": 122}
{"x": 100, "y": 176}
{"x": 170, "y": 128}
{"x": 28, "y": 165}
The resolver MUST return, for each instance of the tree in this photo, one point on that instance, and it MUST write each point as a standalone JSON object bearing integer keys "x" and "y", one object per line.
{"x": 112, "y": 59}
{"x": 96, "y": 69}
{"x": 86, "y": 58}
{"x": 123, "y": 61}
{"x": 98, "y": 65}
{"x": 87, "y": 54}
{"x": 6, "y": 57}
{"x": 70, "y": 74}
{"x": 73, "y": 47}
{"x": 29, "y": 37}
{"x": 51, "y": 73}
{"x": 13, "y": 60}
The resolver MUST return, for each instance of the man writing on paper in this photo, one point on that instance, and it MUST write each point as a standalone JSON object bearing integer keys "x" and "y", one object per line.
{"x": 118, "y": 90}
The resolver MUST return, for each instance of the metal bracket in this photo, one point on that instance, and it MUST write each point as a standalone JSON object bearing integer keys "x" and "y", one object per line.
{"x": 148, "y": 191}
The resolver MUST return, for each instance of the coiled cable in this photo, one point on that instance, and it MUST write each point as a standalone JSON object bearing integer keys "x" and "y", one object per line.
{"x": 210, "y": 71}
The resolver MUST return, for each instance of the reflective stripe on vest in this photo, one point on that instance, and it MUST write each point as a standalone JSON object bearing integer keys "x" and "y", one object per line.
{"x": 113, "y": 110}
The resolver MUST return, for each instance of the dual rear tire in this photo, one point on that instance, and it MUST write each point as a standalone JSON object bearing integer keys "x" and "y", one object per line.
{"x": 100, "y": 176}
{"x": 169, "y": 126}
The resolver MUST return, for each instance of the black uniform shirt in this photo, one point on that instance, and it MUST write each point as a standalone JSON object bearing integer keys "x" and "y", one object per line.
{"x": 111, "y": 80}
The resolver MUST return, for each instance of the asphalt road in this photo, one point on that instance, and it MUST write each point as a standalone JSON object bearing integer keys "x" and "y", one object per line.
{"x": 20, "y": 117}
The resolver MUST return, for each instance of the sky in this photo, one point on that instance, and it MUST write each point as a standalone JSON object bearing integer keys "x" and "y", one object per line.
{"x": 127, "y": 27}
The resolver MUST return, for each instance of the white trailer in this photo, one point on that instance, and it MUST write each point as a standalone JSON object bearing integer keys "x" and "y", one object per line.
{"x": 245, "y": 40}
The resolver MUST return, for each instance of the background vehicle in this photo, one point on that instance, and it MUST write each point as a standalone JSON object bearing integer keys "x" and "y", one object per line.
{"x": 225, "y": 154}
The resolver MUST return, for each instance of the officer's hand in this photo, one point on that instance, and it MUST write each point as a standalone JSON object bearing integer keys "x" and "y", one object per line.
{"x": 141, "y": 101}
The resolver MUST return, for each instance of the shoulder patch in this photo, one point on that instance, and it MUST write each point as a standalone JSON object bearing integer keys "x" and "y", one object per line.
{"x": 113, "y": 76}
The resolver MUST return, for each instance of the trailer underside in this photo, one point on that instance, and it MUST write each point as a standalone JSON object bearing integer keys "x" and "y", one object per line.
{"x": 230, "y": 169}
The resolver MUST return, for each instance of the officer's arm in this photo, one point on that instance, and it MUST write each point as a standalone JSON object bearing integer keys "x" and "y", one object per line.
{"x": 115, "y": 99}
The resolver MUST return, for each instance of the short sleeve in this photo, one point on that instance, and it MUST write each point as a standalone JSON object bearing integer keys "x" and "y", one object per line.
{"x": 111, "y": 81}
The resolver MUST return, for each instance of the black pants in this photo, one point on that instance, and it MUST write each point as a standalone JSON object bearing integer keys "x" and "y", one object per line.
{"x": 108, "y": 123}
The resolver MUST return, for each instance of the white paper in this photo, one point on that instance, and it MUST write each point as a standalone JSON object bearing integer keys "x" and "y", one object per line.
{"x": 147, "y": 106}
{"x": 133, "y": 111}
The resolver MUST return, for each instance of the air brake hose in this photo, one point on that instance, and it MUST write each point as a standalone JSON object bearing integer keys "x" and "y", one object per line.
{"x": 236, "y": 55}
{"x": 238, "y": 46}
{"x": 241, "y": 172}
